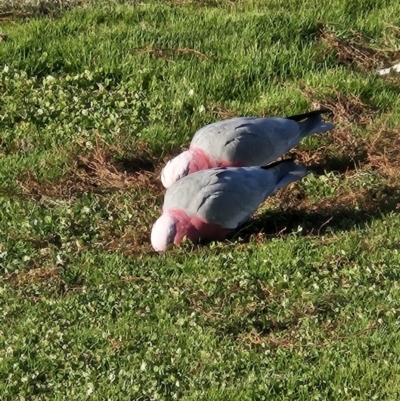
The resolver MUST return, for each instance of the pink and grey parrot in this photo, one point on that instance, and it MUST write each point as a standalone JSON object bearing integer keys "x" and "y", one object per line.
{"x": 243, "y": 142}
{"x": 211, "y": 204}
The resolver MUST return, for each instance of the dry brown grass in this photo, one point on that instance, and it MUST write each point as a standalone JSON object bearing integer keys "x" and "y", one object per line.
{"x": 10, "y": 9}
{"x": 201, "y": 3}
{"x": 48, "y": 275}
{"x": 378, "y": 149}
{"x": 97, "y": 171}
{"x": 344, "y": 108}
{"x": 290, "y": 338}
{"x": 100, "y": 173}
{"x": 222, "y": 112}
{"x": 347, "y": 208}
{"x": 358, "y": 50}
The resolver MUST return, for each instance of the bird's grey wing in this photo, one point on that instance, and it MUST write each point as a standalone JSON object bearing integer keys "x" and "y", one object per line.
{"x": 212, "y": 138}
{"x": 236, "y": 195}
{"x": 248, "y": 141}
{"x": 187, "y": 193}
{"x": 261, "y": 141}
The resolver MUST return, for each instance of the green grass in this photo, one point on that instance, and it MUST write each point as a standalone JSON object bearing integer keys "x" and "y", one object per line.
{"x": 303, "y": 304}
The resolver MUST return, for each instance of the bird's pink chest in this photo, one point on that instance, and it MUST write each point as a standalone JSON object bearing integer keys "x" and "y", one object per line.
{"x": 196, "y": 229}
{"x": 207, "y": 231}
{"x": 203, "y": 161}
{"x": 200, "y": 161}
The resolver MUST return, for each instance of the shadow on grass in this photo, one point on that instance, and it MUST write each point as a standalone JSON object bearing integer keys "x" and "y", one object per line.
{"x": 339, "y": 164}
{"x": 136, "y": 164}
{"x": 337, "y": 217}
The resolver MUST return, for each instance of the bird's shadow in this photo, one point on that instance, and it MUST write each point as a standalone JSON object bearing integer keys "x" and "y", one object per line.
{"x": 309, "y": 219}
{"x": 374, "y": 203}
{"x": 339, "y": 164}
{"x": 337, "y": 217}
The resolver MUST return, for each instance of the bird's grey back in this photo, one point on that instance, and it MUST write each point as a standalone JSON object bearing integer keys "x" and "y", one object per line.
{"x": 249, "y": 141}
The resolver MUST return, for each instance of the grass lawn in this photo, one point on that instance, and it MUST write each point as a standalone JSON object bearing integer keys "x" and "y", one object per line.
{"x": 302, "y": 304}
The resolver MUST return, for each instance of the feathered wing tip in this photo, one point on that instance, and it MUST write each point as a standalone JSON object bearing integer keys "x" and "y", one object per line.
{"x": 288, "y": 171}
{"x": 300, "y": 117}
{"x": 312, "y": 123}
{"x": 277, "y": 163}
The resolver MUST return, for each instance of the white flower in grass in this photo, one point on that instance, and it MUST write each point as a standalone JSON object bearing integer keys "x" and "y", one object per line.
{"x": 90, "y": 388}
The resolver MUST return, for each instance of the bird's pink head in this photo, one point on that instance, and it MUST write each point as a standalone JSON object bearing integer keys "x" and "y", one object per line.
{"x": 175, "y": 224}
{"x": 176, "y": 168}
{"x": 163, "y": 232}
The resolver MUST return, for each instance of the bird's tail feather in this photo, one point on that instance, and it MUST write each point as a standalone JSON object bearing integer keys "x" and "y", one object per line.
{"x": 300, "y": 117}
{"x": 288, "y": 171}
{"x": 312, "y": 123}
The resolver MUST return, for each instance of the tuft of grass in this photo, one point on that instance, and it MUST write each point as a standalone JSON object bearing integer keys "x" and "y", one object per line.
{"x": 300, "y": 304}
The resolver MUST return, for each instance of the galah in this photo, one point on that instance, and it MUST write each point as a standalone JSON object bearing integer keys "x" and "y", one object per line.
{"x": 241, "y": 142}
{"x": 211, "y": 204}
